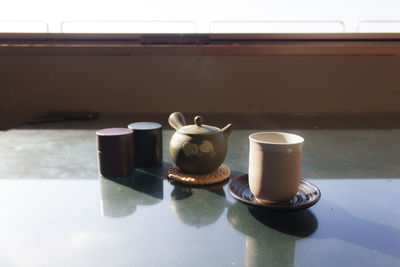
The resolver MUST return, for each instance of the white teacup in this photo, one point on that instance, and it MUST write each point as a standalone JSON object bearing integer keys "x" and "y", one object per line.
{"x": 275, "y": 166}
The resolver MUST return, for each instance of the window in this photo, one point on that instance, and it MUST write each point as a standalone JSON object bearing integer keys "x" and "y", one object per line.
{"x": 266, "y": 27}
{"x": 193, "y": 16}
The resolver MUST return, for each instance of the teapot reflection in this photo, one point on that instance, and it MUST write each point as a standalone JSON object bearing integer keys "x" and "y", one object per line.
{"x": 198, "y": 206}
{"x": 271, "y": 236}
{"x": 120, "y": 196}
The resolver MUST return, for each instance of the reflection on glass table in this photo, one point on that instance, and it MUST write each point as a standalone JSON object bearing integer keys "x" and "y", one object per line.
{"x": 120, "y": 196}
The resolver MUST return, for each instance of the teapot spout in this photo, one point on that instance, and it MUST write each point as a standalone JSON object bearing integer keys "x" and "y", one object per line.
{"x": 227, "y": 130}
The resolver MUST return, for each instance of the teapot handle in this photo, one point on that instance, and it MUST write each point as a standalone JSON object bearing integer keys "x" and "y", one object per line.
{"x": 176, "y": 120}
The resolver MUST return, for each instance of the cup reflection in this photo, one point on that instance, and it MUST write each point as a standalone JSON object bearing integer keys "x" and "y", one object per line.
{"x": 271, "y": 236}
{"x": 259, "y": 251}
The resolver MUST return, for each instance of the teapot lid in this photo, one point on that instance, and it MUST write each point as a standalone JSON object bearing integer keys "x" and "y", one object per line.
{"x": 198, "y": 127}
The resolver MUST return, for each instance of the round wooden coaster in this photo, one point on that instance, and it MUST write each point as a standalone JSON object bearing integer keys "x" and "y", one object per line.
{"x": 222, "y": 173}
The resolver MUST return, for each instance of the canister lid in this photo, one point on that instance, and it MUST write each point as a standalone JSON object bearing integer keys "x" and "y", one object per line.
{"x": 114, "y": 139}
{"x": 144, "y": 126}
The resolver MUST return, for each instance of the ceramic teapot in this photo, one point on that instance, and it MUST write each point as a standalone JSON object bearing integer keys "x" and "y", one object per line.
{"x": 197, "y": 148}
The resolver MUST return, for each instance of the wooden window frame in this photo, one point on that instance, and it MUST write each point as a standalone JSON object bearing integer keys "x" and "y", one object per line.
{"x": 200, "y": 44}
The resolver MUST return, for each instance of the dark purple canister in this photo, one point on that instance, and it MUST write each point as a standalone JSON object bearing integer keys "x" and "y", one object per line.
{"x": 115, "y": 152}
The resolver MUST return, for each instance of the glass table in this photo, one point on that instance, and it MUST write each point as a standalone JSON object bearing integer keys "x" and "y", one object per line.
{"x": 57, "y": 211}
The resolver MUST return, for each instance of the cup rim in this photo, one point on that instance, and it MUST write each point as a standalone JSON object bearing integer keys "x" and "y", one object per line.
{"x": 253, "y": 139}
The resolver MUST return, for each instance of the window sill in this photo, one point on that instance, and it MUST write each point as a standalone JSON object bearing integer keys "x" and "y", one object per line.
{"x": 200, "y": 44}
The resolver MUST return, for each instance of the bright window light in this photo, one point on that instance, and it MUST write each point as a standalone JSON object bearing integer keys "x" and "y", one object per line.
{"x": 23, "y": 26}
{"x": 205, "y": 16}
{"x": 379, "y": 26}
{"x": 277, "y": 27}
{"x": 128, "y": 27}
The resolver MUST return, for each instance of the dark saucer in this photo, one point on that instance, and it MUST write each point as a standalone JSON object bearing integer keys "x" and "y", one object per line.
{"x": 307, "y": 195}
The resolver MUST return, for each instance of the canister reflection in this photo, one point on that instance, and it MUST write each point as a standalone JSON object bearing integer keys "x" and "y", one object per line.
{"x": 120, "y": 196}
{"x": 116, "y": 200}
{"x": 271, "y": 236}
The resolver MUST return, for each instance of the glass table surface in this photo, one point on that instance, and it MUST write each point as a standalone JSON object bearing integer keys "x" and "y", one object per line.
{"x": 57, "y": 211}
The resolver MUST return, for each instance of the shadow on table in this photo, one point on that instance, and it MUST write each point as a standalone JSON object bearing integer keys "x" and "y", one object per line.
{"x": 121, "y": 195}
{"x": 337, "y": 222}
{"x": 300, "y": 224}
{"x": 271, "y": 236}
{"x": 159, "y": 171}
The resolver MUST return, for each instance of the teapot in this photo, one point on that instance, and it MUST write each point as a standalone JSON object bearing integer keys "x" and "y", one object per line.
{"x": 197, "y": 148}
